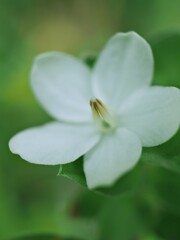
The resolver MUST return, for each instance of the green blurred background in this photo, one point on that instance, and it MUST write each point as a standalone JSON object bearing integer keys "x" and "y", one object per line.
{"x": 34, "y": 202}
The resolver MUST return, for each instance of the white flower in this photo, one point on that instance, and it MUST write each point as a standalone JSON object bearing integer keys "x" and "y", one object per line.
{"x": 127, "y": 112}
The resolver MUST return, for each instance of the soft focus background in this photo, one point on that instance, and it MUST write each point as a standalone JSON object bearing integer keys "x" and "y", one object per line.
{"x": 35, "y": 203}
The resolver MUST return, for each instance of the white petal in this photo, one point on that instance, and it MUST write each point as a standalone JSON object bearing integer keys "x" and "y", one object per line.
{"x": 62, "y": 85}
{"x": 153, "y": 114}
{"x": 125, "y": 65}
{"x": 115, "y": 154}
{"x": 54, "y": 143}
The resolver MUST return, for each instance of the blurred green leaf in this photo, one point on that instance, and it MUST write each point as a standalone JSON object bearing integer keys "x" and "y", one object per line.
{"x": 41, "y": 237}
{"x": 151, "y": 237}
{"x": 166, "y": 50}
{"x": 120, "y": 219}
{"x": 128, "y": 184}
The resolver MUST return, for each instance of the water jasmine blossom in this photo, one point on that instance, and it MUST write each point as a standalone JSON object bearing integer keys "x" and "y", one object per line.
{"x": 106, "y": 114}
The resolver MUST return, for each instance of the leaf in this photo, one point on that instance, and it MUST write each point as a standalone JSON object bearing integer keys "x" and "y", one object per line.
{"x": 73, "y": 171}
{"x": 166, "y": 51}
{"x": 128, "y": 184}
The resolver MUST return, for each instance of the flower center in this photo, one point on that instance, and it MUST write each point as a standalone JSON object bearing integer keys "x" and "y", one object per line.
{"x": 103, "y": 117}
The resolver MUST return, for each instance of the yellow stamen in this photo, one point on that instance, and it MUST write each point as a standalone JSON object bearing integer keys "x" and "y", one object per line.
{"x": 98, "y": 108}
{"x": 102, "y": 115}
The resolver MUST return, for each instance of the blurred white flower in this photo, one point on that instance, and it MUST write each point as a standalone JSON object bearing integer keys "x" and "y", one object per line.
{"x": 108, "y": 113}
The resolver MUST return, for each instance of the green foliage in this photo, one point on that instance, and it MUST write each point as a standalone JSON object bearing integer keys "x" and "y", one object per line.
{"x": 42, "y": 237}
{"x": 73, "y": 171}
